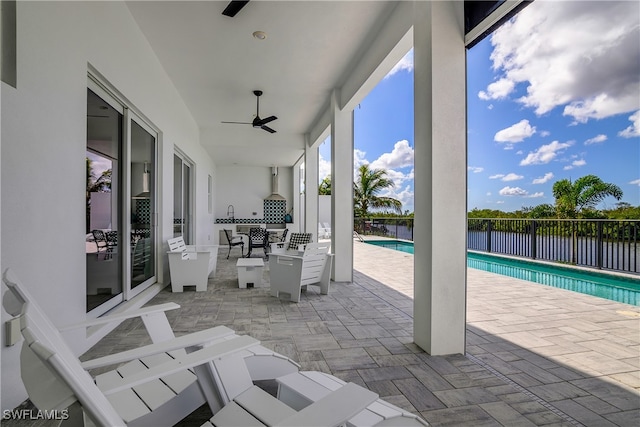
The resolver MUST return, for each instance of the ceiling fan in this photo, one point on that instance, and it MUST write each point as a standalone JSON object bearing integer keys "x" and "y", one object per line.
{"x": 234, "y": 7}
{"x": 257, "y": 121}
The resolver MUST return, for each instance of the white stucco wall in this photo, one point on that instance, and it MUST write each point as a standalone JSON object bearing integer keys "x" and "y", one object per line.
{"x": 43, "y": 150}
{"x": 324, "y": 209}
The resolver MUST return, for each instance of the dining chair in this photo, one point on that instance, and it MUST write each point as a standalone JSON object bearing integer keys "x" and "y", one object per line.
{"x": 258, "y": 238}
{"x": 234, "y": 241}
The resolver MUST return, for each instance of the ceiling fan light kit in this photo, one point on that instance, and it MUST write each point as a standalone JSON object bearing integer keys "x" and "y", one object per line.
{"x": 257, "y": 121}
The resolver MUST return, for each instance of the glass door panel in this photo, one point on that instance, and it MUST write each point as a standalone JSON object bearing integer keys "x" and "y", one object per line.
{"x": 181, "y": 198}
{"x": 103, "y": 202}
{"x": 143, "y": 202}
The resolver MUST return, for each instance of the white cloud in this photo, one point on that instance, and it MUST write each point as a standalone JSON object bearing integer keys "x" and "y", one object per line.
{"x": 545, "y": 153}
{"x": 569, "y": 54}
{"x": 546, "y": 178}
{"x": 497, "y": 90}
{"x": 634, "y": 129}
{"x": 512, "y": 191}
{"x": 545, "y": 133}
{"x": 401, "y": 156}
{"x": 635, "y": 182}
{"x": 509, "y": 177}
{"x": 596, "y": 139}
{"x": 406, "y": 63}
{"x": 575, "y": 164}
{"x": 359, "y": 158}
{"x": 515, "y": 133}
{"x": 475, "y": 169}
{"x": 324, "y": 168}
{"x": 519, "y": 192}
{"x": 399, "y": 178}
{"x": 512, "y": 177}
{"x": 405, "y": 196}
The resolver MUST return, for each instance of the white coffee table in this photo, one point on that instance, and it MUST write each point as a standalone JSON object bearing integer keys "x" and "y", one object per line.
{"x": 250, "y": 271}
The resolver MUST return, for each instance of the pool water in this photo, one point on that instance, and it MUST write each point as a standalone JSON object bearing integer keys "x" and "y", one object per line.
{"x": 612, "y": 287}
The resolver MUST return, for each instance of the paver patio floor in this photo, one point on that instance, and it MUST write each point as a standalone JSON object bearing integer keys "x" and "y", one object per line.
{"x": 536, "y": 355}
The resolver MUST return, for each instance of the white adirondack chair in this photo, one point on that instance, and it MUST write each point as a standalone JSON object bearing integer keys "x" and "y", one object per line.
{"x": 301, "y": 389}
{"x": 191, "y": 265}
{"x": 255, "y": 407}
{"x": 160, "y": 384}
{"x": 290, "y": 273}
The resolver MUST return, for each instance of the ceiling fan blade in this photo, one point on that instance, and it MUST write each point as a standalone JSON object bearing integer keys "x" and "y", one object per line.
{"x": 238, "y": 123}
{"x": 267, "y": 128}
{"x": 267, "y": 120}
{"x": 234, "y": 7}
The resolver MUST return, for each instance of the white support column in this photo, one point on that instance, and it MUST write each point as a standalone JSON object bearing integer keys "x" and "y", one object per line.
{"x": 295, "y": 203}
{"x": 341, "y": 190}
{"x": 440, "y": 177}
{"x": 311, "y": 189}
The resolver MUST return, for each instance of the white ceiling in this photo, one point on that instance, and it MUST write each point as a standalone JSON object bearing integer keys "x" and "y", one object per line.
{"x": 215, "y": 64}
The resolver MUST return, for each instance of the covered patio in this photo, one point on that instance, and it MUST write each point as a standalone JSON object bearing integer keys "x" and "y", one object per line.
{"x": 170, "y": 75}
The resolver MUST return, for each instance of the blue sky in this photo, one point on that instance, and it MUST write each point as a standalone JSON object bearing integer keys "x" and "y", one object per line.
{"x": 553, "y": 94}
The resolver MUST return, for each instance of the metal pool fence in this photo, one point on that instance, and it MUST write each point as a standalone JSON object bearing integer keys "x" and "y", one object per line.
{"x": 603, "y": 244}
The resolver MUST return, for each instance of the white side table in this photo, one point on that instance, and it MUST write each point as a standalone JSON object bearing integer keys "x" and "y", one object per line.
{"x": 250, "y": 271}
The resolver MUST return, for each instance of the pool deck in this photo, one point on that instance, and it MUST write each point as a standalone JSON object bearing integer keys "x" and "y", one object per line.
{"x": 577, "y": 353}
{"x": 535, "y": 356}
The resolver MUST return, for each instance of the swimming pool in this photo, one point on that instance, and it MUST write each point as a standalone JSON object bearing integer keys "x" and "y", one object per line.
{"x": 612, "y": 287}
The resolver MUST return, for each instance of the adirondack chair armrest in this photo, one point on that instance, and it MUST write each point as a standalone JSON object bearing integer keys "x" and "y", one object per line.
{"x": 186, "y": 361}
{"x": 334, "y": 409}
{"x": 194, "y": 339}
{"x": 119, "y": 317}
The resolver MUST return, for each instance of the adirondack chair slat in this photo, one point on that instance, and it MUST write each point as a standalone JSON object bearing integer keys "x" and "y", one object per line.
{"x": 179, "y": 381}
{"x": 130, "y": 406}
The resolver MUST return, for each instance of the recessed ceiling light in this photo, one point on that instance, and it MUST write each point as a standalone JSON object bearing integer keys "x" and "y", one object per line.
{"x": 260, "y": 35}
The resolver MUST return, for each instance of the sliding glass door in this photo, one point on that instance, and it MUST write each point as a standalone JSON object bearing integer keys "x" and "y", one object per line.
{"x": 105, "y": 281}
{"x": 121, "y": 195}
{"x": 143, "y": 202}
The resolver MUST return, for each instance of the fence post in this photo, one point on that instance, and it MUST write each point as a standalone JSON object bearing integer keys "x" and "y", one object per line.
{"x": 489, "y": 235}
{"x": 599, "y": 245}
{"x": 534, "y": 239}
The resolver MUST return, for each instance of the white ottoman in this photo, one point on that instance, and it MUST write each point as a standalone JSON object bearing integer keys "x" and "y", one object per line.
{"x": 250, "y": 271}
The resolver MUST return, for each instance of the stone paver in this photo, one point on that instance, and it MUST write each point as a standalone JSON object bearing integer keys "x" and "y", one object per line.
{"x": 535, "y": 355}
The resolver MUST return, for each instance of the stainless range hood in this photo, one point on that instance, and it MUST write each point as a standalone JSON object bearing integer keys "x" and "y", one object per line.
{"x": 274, "y": 185}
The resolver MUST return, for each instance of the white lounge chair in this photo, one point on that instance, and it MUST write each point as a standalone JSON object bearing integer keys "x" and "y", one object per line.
{"x": 160, "y": 384}
{"x": 290, "y": 273}
{"x": 191, "y": 265}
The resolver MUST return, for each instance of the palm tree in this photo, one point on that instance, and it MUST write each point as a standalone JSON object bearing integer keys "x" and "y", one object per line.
{"x": 95, "y": 185}
{"x": 573, "y": 200}
{"x": 369, "y": 183}
{"x": 580, "y": 198}
{"x": 324, "y": 189}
